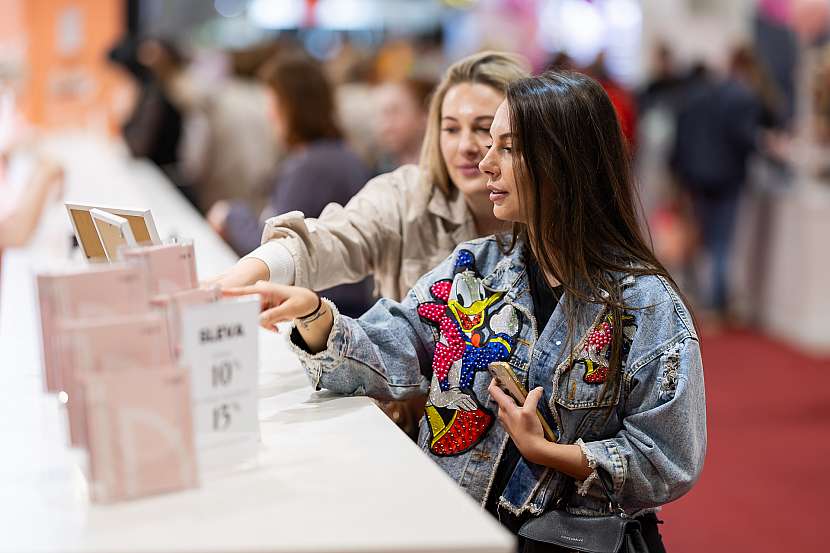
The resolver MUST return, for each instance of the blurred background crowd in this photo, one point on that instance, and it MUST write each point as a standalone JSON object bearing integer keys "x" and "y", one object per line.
{"x": 725, "y": 105}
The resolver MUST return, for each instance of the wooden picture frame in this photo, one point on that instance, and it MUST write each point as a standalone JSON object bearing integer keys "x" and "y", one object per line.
{"x": 114, "y": 232}
{"x": 140, "y": 221}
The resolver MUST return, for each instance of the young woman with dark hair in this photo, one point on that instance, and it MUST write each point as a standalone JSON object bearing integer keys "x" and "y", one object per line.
{"x": 574, "y": 301}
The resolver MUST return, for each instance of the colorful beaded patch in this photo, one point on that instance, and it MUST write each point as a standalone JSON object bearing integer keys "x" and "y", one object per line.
{"x": 596, "y": 353}
{"x": 473, "y": 332}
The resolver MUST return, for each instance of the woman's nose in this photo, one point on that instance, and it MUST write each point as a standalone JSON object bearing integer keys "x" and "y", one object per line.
{"x": 487, "y": 166}
{"x": 469, "y": 145}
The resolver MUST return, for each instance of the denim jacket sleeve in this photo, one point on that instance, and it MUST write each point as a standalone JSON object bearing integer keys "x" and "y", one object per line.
{"x": 380, "y": 354}
{"x": 658, "y": 453}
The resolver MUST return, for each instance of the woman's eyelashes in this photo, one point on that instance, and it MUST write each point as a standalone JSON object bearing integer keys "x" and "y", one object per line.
{"x": 505, "y": 149}
{"x": 453, "y": 130}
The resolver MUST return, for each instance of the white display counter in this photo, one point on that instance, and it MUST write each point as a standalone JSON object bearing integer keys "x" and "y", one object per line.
{"x": 333, "y": 473}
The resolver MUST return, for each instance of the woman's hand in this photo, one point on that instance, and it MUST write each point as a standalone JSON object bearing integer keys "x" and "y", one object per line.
{"x": 521, "y": 422}
{"x": 278, "y": 303}
{"x": 526, "y": 431}
{"x": 246, "y": 272}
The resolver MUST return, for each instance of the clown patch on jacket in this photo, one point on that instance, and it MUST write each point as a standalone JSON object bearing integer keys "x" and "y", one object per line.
{"x": 475, "y": 329}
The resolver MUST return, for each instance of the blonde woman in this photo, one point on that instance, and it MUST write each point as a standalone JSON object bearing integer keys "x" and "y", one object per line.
{"x": 403, "y": 223}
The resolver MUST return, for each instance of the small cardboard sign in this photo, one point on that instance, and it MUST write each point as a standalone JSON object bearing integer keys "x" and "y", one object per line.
{"x": 219, "y": 344}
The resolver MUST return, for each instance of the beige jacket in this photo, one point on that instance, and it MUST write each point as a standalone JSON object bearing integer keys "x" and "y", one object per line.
{"x": 396, "y": 228}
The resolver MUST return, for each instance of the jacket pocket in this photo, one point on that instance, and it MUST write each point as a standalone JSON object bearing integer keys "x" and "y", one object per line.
{"x": 586, "y": 410}
{"x": 587, "y": 383}
{"x": 577, "y": 389}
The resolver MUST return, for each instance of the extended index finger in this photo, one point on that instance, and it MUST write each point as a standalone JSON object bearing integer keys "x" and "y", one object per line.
{"x": 264, "y": 300}
{"x": 240, "y": 291}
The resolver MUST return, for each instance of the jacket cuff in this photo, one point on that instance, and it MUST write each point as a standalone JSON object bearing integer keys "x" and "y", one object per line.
{"x": 331, "y": 357}
{"x": 279, "y": 260}
{"x": 300, "y": 274}
{"x": 604, "y": 455}
{"x": 289, "y": 228}
{"x": 583, "y": 486}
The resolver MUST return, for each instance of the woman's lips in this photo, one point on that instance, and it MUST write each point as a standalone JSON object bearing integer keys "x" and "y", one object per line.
{"x": 469, "y": 171}
{"x": 497, "y": 195}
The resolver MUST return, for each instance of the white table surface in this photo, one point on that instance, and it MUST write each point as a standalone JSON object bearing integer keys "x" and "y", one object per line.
{"x": 333, "y": 473}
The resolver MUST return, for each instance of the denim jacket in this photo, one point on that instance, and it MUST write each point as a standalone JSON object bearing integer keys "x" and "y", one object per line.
{"x": 648, "y": 432}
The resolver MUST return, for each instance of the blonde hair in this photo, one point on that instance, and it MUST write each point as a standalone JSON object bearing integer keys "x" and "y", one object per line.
{"x": 494, "y": 69}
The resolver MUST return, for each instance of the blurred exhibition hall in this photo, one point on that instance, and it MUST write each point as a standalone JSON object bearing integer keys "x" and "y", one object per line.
{"x": 724, "y": 106}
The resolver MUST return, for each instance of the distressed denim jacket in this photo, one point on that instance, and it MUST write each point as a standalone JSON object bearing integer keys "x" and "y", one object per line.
{"x": 648, "y": 432}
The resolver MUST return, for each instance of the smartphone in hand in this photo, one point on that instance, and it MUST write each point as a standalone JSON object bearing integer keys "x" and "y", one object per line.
{"x": 507, "y": 380}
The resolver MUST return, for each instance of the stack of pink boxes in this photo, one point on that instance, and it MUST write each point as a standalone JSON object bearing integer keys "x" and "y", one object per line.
{"x": 110, "y": 342}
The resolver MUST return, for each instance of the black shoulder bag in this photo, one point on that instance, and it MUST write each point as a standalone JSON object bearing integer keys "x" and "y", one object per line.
{"x": 613, "y": 533}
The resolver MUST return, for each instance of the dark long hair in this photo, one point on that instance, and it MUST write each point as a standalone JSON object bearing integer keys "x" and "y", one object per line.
{"x": 577, "y": 194}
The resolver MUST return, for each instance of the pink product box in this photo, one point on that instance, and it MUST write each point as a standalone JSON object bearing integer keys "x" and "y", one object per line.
{"x": 91, "y": 292}
{"x": 173, "y": 304}
{"x": 171, "y": 267}
{"x": 108, "y": 345}
{"x": 140, "y": 432}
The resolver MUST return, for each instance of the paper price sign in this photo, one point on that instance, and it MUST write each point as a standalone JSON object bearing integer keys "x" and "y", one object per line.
{"x": 219, "y": 345}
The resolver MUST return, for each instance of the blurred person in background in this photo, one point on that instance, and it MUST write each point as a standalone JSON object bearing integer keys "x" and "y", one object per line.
{"x": 21, "y": 211}
{"x": 401, "y": 121}
{"x": 718, "y": 129}
{"x": 352, "y": 71}
{"x": 622, "y": 99}
{"x": 657, "y": 104}
{"x": 664, "y": 82}
{"x": 318, "y": 168}
{"x": 403, "y": 223}
{"x": 153, "y": 129}
{"x": 748, "y": 68}
{"x": 229, "y": 149}
{"x": 19, "y": 220}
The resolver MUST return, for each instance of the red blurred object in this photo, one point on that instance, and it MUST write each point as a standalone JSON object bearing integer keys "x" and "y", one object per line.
{"x": 626, "y": 110}
{"x": 309, "y": 20}
{"x": 673, "y": 235}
